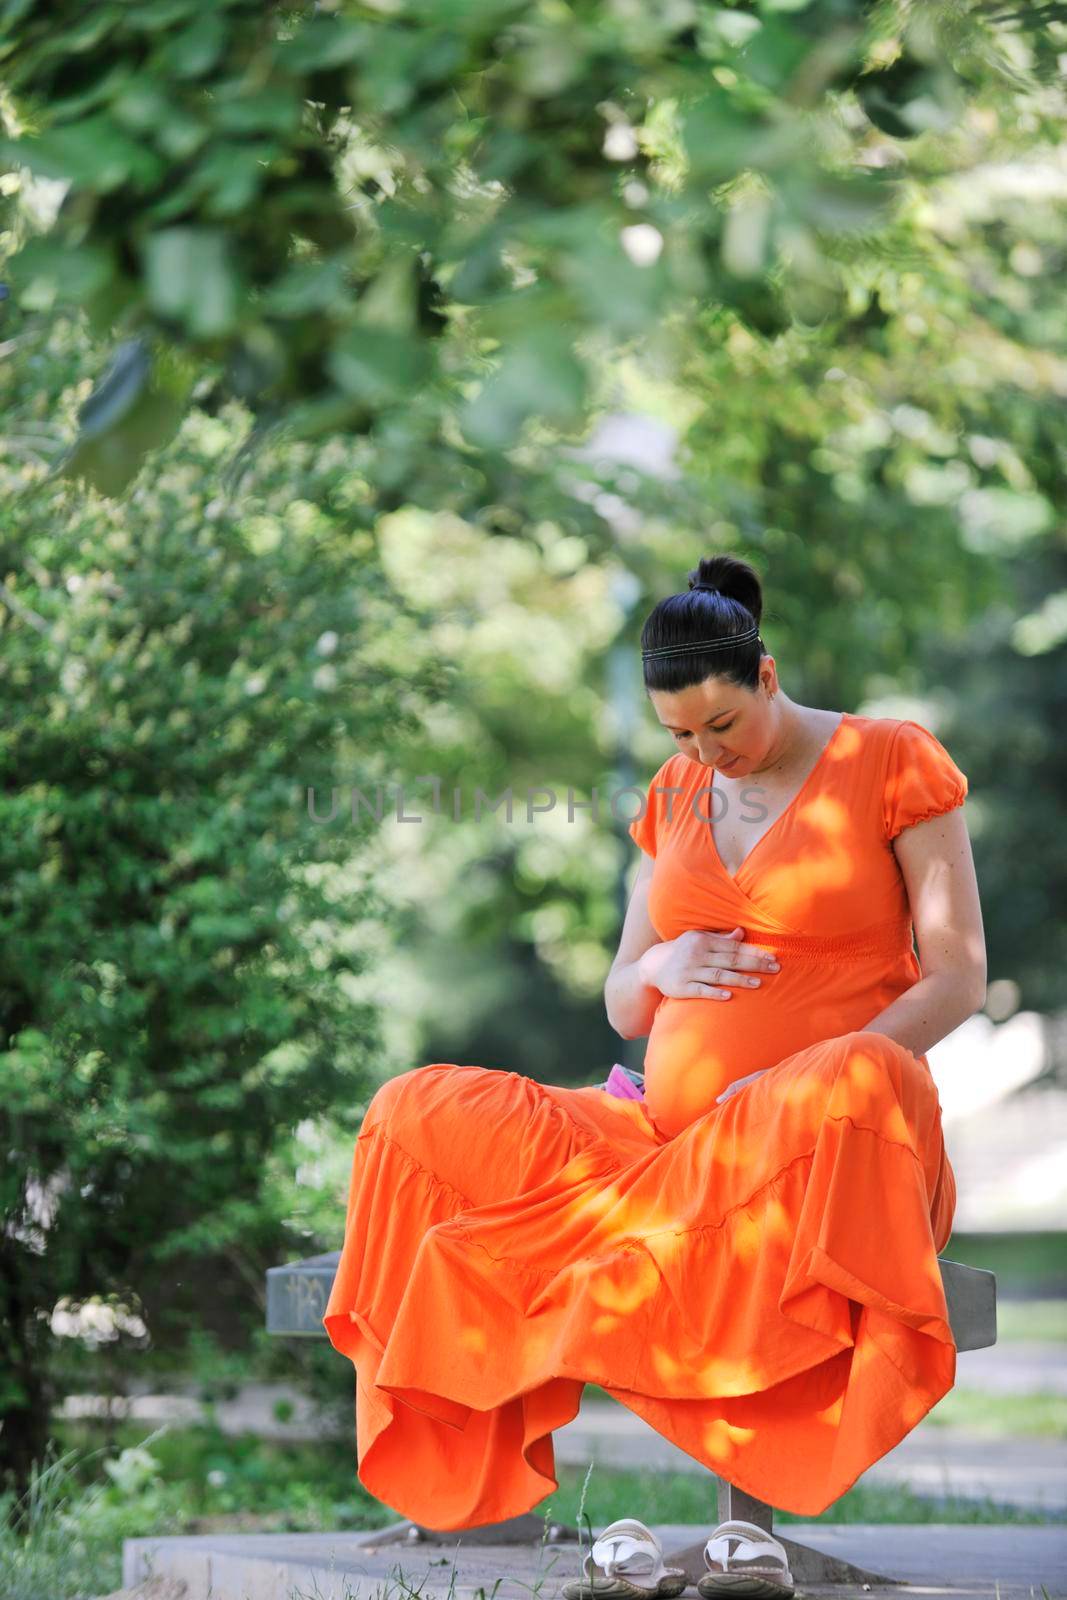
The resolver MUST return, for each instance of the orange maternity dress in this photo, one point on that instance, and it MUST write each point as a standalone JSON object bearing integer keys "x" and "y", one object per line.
{"x": 758, "y": 1279}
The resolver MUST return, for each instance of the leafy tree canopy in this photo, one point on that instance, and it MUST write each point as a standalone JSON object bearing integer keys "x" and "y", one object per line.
{"x": 439, "y": 210}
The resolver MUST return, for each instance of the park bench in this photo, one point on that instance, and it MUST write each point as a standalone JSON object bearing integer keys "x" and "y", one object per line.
{"x": 296, "y": 1302}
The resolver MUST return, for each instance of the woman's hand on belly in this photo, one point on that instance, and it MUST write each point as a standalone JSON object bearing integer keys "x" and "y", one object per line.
{"x": 739, "y": 1083}
{"x": 694, "y": 965}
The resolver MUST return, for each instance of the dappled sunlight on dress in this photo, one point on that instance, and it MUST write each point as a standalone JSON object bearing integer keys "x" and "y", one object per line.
{"x": 821, "y": 888}
{"x": 758, "y": 1280}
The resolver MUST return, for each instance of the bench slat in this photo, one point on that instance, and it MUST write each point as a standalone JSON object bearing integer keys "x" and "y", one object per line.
{"x": 297, "y": 1295}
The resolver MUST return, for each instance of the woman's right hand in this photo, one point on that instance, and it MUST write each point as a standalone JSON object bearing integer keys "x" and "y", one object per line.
{"x": 697, "y": 964}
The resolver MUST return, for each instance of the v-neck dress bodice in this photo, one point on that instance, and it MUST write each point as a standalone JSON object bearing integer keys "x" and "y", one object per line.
{"x": 821, "y": 887}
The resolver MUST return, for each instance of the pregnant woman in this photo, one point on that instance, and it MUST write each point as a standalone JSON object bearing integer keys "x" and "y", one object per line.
{"x": 747, "y": 1256}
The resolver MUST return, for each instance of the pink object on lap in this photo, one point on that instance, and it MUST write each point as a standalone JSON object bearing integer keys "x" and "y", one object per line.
{"x": 618, "y": 1083}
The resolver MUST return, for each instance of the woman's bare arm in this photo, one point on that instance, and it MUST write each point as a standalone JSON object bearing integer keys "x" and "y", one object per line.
{"x": 631, "y": 999}
{"x": 937, "y": 866}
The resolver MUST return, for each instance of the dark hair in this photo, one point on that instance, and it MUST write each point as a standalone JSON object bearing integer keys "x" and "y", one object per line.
{"x": 699, "y": 614}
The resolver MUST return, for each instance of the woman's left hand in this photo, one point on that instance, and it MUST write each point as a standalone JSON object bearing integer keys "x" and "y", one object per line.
{"x": 739, "y": 1083}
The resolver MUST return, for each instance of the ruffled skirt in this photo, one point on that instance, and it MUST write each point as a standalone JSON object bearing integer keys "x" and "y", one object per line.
{"x": 762, "y": 1289}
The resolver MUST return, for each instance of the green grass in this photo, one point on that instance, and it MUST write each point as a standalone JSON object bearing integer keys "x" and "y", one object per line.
{"x": 1027, "y": 1265}
{"x": 1000, "y": 1416}
{"x": 1031, "y": 1319}
{"x": 208, "y": 1475}
{"x": 997, "y": 1416}
{"x": 687, "y": 1497}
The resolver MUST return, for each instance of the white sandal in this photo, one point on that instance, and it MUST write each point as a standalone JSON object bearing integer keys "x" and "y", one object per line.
{"x": 630, "y": 1559}
{"x": 757, "y": 1564}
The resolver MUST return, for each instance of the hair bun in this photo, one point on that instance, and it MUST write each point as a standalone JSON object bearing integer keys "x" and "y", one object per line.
{"x": 731, "y": 578}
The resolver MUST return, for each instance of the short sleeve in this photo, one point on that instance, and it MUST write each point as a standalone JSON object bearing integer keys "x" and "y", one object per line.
{"x": 642, "y": 831}
{"x": 922, "y": 780}
{"x": 646, "y": 829}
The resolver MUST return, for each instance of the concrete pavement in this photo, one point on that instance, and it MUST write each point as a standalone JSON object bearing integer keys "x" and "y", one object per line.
{"x": 979, "y": 1563}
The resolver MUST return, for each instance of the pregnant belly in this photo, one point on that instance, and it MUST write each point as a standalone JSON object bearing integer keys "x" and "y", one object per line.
{"x": 696, "y": 1047}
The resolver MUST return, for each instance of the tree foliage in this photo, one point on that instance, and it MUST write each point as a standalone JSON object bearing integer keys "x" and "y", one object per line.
{"x": 355, "y": 215}
{"x": 176, "y": 939}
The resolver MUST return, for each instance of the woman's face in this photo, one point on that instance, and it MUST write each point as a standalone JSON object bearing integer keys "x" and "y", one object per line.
{"x": 719, "y": 724}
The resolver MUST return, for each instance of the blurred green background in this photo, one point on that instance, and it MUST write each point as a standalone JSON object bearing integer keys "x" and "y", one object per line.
{"x": 368, "y": 373}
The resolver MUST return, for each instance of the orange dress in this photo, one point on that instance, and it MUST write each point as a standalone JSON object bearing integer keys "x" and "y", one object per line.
{"x": 758, "y": 1279}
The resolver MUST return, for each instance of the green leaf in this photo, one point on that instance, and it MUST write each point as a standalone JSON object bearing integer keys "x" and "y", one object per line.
{"x": 78, "y": 35}
{"x": 746, "y": 236}
{"x": 331, "y": 413}
{"x": 620, "y": 291}
{"x": 623, "y": 295}
{"x": 390, "y": 74}
{"x": 464, "y": 19}
{"x": 307, "y": 287}
{"x": 119, "y": 388}
{"x": 540, "y": 376}
{"x": 92, "y": 154}
{"x": 189, "y": 276}
{"x": 195, "y": 51}
{"x": 152, "y": 16}
{"x": 378, "y": 365}
{"x": 141, "y": 105}
{"x": 134, "y": 408}
{"x": 719, "y": 140}
{"x": 482, "y": 273}
{"x": 143, "y": 108}
{"x": 76, "y": 104}
{"x": 388, "y": 301}
{"x": 842, "y": 204}
{"x": 50, "y": 272}
{"x": 225, "y": 181}
{"x": 271, "y": 110}
{"x": 889, "y": 95}
{"x": 324, "y": 42}
{"x": 774, "y": 54}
